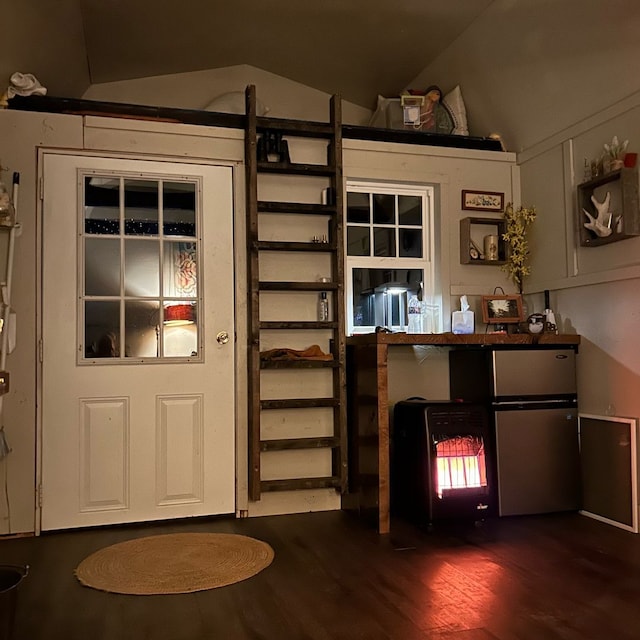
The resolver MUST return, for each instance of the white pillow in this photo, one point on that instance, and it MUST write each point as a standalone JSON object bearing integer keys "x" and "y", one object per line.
{"x": 455, "y": 106}
{"x": 234, "y": 102}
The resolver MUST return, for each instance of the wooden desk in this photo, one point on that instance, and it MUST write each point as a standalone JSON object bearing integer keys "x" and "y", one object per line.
{"x": 368, "y": 409}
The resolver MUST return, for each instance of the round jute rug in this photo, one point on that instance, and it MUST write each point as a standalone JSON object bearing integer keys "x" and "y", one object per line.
{"x": 174, "y": 563}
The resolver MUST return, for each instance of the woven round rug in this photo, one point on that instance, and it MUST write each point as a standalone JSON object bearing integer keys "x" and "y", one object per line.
{"x": 174, "y": 563}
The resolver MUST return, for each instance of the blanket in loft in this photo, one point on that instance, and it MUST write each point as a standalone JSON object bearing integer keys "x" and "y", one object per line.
{"x": 314, "y": 352}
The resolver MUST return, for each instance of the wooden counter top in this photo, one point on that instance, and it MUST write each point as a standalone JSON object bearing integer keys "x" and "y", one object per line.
{"x": 452, "y": 339}
{"x": 368, "y": 407}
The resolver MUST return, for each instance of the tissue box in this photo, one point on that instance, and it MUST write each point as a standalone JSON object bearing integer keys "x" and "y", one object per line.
{"x": 462, "y": 322}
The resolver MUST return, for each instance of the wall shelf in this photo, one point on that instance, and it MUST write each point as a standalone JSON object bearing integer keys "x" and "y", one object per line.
{"x": 472, "y": 233}
{"x": 624, "y": 206}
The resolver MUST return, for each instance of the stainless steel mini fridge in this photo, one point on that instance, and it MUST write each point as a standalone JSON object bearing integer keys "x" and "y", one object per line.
{"x": 531, "y": 393}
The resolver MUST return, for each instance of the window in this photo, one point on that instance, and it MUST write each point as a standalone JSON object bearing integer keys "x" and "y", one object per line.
{"x": 139, "y": 263}
{"x": 389, "y": 245}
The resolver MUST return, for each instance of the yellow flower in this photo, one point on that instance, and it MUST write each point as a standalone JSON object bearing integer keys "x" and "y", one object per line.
{"x": 517, "y": 223}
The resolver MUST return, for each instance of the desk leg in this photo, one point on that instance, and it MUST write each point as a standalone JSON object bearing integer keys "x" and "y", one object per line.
{"x": 368, "y": 411}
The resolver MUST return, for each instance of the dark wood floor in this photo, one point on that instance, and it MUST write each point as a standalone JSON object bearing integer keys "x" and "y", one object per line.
{"x": 531, "y": 578}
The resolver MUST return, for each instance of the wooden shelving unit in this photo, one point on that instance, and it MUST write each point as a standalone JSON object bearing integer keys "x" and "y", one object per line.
{"x": 622, "y": 186}
{"x": 258, "y": 164}
{"x": 470, "y": 239}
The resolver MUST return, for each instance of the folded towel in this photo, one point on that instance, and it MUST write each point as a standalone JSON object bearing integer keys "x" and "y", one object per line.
{"x": 314, "y": 352}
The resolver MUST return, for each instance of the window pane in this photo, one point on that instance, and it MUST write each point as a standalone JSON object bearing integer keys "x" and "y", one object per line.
{"x": 380, "y": 296}
{"x": 410, "y": 243}
{"x": 180, "y": 270}
{"x": 358, "y": 207}
{"x": 384, "y": 242}
{"x": 102, "y": 329}
{"x": 409, "y": 210}
{"x": 179, "y": 208}
{"x": 102, "y": 205}
{"x": 141, "y": 318}
{"x": 141, "y": 268}
{"x": 141, "y": 207}
{"x": 358, "y": 241}
{"x": 102, "y": 267}
{"x": 384, "y": 208}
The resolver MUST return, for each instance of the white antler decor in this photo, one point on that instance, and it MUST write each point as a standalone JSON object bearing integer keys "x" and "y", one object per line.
{"x": 601, "y": 224}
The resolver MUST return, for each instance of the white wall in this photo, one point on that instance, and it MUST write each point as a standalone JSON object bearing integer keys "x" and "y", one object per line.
{"x": 32, "y": 32}
{"x": 531, "y": 68}
{"x": 558, "y": 80}
{"x": 195, "y": 90}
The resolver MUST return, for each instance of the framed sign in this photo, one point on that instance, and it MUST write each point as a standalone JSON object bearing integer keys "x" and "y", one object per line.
{"x": 502, "y": 309}
{"x": 482, "y": 200}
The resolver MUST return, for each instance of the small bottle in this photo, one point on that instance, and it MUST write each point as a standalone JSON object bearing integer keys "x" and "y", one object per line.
{"x": 323, "y": 307}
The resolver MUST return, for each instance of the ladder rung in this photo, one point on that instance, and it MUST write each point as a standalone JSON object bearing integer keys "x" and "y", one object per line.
{"x": 297, "y": 286}
{"x": 269, "y": 245}
{"x": 265, "y": 206}
{"x": 299, "y": 403}
{"x": 297, "y": 484}
{"x": 286, "y": 444}
{"x": 292, "y": 168}
{"x": 288, "y": 324}
{"x": 299, "y": 364}
{"x": 296, "y": 128}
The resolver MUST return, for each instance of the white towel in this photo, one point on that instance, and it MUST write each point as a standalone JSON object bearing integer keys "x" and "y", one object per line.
{"x": 25, "y": 84}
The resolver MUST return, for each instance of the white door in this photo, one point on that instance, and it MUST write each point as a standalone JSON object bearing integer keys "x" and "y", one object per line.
{"x": 137, "y": 374}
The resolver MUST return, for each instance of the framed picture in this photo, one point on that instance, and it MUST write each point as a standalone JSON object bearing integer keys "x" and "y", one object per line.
{"x": 502, "y": 309}
{"x": 482, "y": 200}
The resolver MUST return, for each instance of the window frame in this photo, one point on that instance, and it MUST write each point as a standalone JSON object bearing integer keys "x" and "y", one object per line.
{"x": 426, "y": 263}
{"x": 162, "y": 298}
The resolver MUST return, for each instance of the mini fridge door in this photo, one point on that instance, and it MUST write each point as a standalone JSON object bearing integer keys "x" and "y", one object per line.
{"x": 538, "y": 461}
{"x": 534, "y": 372}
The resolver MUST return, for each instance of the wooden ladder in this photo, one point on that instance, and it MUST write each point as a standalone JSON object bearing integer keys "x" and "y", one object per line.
{"x": 263, "y": 136}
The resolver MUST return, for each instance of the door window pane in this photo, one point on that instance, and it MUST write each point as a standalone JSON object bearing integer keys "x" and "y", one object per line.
{"x": 180, "y": 270}
{"x": 141, "y": 268}
{"x": 142, "y": 330}
{"x": 102, "y": 267}
{"x": 141, "y": 211}
{"x": 179, "y": 208}
{"x": 102, "y": 328}
{"x": 101, "y": 205}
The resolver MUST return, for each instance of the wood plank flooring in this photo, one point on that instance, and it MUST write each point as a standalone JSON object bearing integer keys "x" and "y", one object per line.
{"x": 555, "y": 577}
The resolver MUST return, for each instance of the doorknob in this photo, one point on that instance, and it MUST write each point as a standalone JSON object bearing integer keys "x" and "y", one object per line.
{"x": 222, "y": 337}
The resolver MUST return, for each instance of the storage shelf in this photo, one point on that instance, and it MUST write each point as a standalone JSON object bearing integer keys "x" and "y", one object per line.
{"x": 299, "y": 364}
{"x": 317, "y": 247}
{"x": 468, "y": 244}
{"x": 297, "y": 324}
{"x": 624, "y": 207}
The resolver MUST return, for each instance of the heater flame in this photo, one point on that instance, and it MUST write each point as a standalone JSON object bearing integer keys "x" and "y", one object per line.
{"x": 460, "y": 464}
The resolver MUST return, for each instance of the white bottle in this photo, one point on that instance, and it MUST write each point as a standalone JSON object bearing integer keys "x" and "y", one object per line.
{"x": 415, "y": 315}
{"x": 323, "y": 307}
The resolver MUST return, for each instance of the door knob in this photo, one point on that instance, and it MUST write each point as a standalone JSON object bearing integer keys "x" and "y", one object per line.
{"x": 222, "y": 337}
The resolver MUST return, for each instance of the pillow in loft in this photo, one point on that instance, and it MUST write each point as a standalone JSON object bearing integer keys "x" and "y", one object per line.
{"x": 455, "y": 106}
{"x": 234, "y": 102}
{"x": 388, "y": 113}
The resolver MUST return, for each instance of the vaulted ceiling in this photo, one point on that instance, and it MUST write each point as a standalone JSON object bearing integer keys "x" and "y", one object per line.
{"x": 355, "y": 48}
